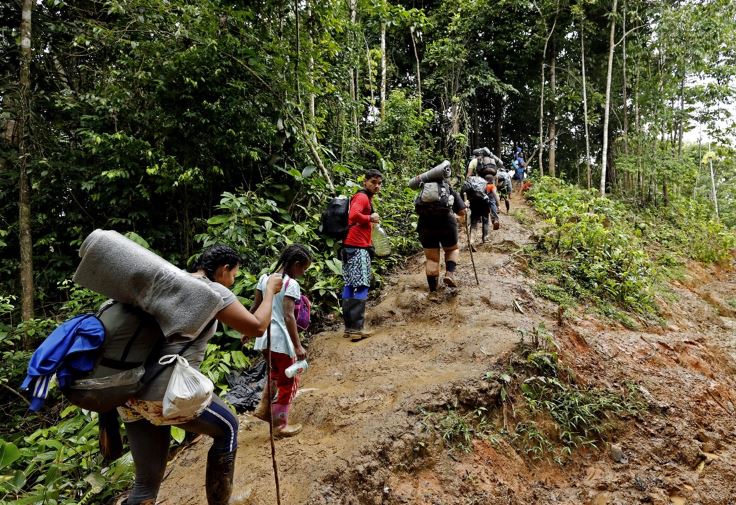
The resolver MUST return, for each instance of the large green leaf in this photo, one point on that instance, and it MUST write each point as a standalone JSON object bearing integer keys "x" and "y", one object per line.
{"x": 8, "y": 453}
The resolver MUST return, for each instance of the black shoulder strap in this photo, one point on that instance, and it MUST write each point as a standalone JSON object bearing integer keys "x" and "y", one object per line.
{"x": 181, "y": 351}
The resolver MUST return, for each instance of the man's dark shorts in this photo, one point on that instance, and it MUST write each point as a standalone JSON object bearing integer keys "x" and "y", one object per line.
{"x": 437, "y": 231}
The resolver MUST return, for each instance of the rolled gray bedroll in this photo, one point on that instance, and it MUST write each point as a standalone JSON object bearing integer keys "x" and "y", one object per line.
{"x": 441, "y": 171}
{"x": 115, "y": 266}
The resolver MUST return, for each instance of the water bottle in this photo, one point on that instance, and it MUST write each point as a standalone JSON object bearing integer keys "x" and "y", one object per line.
{"x": 381, "y": 243}
{"x": 296, "y": 368}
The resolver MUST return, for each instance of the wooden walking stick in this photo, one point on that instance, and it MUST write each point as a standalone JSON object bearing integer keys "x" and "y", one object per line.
{"x": 269, "y": 395}
{"x": 470, "y": 248}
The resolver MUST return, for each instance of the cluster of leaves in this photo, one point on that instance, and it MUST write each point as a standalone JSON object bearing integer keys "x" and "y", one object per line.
{"x": 556, "y": 414}
{"x": 60, "y": 464}
{"x": 458, "y": 429}
{"x": 591, "y": 250}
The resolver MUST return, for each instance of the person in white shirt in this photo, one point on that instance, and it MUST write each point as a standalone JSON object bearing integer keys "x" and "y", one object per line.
{"x": 286, "y": 347}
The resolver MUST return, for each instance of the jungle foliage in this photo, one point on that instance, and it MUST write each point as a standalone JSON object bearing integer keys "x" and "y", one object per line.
{"x": 190, "y": 123}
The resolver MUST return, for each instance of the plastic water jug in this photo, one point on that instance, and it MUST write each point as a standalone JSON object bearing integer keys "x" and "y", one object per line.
{"x": 381, "y": 243}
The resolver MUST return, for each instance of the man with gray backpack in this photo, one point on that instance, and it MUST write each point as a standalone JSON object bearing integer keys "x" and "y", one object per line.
{"x": 439, "y": 207}
{"x": 474, "y": 190}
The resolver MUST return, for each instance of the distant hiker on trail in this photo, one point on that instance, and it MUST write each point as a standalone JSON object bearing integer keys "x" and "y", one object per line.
{"x": 286, "y": 347}
{"x": 503, "y": 186}
{"x": 493, "y": 200}
{"x": 147, "y": 428}
{"x": 519, "y": 166}
{"x": 474, "y": 193}
{"x": 483, "y": 163}
{"x": 437, "y": 206}
{"x": 356, "y": 256}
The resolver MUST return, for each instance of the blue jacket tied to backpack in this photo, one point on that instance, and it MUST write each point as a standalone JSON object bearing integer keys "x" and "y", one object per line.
{"x": 67, "y": 351}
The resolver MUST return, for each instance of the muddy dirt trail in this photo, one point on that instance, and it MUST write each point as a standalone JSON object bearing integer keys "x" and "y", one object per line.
{"x": 363, "y": 405}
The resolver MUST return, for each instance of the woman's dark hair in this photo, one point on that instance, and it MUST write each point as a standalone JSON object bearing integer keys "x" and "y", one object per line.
{"x": 216, "y": 256}
{"x": 295, "y": 253}
{"x": 371, "y": 173}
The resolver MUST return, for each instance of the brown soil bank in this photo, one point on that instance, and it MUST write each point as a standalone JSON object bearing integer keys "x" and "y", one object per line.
{"x": 364, "y": 405}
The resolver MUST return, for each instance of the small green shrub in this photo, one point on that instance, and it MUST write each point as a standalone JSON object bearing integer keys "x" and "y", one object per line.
{"x": 458, "y": 430}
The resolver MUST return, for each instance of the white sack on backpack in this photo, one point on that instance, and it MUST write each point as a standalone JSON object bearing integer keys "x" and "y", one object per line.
{"x": 189, "y": 391}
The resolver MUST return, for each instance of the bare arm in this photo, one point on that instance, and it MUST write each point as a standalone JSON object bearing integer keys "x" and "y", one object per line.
{"x": 253, "y": 324}
{"x": 290, "y": 321}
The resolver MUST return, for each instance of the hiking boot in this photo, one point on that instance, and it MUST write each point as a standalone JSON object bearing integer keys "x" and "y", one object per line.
{"x": 354, "y": 314}
{"x": 449, "y": 280}
{"x": 123, "y": 500}
{"x": 263, "y": 410}
{"x": 219, "y": 478}
{"x": 358, "y": 335}
{"x": 496, "y": 225}
{"x": 288, "y": 430}
{"x": 434, "y": 296}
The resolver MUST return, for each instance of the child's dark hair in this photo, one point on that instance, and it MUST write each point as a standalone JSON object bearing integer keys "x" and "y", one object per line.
{"x": 216, "y": 256}
{"x": 371, "y": 173}
{"x": 295, "y": 253}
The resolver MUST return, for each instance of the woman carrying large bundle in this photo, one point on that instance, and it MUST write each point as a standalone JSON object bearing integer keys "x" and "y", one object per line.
{"x": 147, "y": 428}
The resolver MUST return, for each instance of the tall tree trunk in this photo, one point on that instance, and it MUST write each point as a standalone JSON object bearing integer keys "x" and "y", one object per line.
{"x": 714, "y": 196}
{"x": 541, "y": 94}
{"x": 383, "y": 67}
{"x": 354, "y": 91}
{"x": 370, "y": 74}
{"x": 607, "y": 110}
{"x": 585, "y": 105}
{"x": 476, "y": 126}
{"x": 624, "y": 85}
{"x": 681, "y": 128}
{"x": 639, "y": 171}
{"x": 310, "y": 62}
{"x": 498, "y": 123}
{"x": 552, "y": 160}
{"x": 541, "y": 119}
{"x": 419, "y": 73}
{"x": 24, "y": 197}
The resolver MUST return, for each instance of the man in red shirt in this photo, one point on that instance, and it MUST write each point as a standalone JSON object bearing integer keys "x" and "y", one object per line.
{"x": 356, "y": 256}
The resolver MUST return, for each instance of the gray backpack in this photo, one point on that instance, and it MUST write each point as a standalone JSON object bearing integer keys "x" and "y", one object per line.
{"x": 434, "y": 198}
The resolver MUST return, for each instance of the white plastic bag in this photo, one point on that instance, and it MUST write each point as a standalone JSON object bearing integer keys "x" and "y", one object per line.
{"x": 189, "y": 391}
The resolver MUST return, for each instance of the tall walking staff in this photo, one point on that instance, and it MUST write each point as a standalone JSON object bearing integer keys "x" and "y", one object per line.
{"x": 470, "y": 249}
{"x": 269, "y": 395}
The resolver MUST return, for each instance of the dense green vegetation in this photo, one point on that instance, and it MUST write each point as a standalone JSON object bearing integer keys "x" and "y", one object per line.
{"x": 189, "y": 123}
{"x": 617, "y": 255}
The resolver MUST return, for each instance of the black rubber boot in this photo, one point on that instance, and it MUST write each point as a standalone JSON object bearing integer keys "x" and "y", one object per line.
{"x": 357, "y": 319}
{"x": 347, "y": 316}
{"x": 345, "y": 304}
{"x": 219, "y": 478}
{"x": 485, "y": 231}
{"x": 507, "y": 205}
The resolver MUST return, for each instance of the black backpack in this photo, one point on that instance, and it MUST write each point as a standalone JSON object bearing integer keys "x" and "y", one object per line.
{"x": 434, "y": 199}
{"x": 334, "y": 223}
